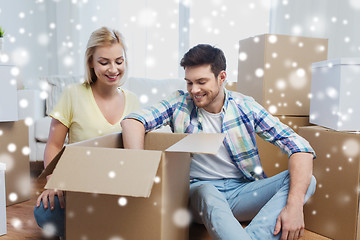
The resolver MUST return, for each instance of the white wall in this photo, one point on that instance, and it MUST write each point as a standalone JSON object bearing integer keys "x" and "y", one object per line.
{"x": 224, "y": 22}
{"x": 150, "y": 29}
{"x": 53, "y": 33}
{"x": 336, "y": 20}
{"x": 26, "y": 38}
{"x": 59, "y": 31}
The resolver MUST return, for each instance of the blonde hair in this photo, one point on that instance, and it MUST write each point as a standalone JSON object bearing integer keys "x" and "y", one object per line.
{"x": 100, "y": 38}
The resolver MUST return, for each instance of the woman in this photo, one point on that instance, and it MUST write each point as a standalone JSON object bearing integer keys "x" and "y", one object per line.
{"x": 85, "y": 111}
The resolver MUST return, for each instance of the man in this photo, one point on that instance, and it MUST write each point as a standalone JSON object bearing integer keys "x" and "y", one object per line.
{"x": 231, "y": 186}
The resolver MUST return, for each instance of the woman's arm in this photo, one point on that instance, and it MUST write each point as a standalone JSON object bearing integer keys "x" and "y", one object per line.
{"x": 133, "y": 133}
{"x": 54, "y": 144}
{"x": 57, "y": 135}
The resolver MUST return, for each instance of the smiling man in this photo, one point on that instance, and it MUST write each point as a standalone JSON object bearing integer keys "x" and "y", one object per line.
{"x": 230, "y": 186}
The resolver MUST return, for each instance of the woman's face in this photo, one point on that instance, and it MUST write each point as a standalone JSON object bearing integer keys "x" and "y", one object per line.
{"x": 109, "y": 64}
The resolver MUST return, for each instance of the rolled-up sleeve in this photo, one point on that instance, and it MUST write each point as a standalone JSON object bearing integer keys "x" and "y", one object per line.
{"x": 159, "y": 114}
{"x": 272, "y": 130}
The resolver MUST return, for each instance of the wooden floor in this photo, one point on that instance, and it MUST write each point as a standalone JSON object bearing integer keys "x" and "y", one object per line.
{"x": 21, "y": 223}
{"x": 20, "y": 218}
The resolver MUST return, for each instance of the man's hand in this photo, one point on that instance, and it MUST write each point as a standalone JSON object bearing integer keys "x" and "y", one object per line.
{"x": 50, "y": 193}
{"x": 291, "y": 222}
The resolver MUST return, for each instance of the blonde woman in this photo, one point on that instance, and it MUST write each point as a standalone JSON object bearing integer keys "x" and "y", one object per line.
{"x": 87, "y": 110}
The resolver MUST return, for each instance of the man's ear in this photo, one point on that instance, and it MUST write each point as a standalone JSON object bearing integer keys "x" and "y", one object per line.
{"x": 222, "y": 77}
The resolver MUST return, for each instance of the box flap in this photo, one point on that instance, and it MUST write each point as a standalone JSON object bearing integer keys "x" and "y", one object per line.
{"x": 106, "y": 171}
{"x": 203, "y": 143}
{"x": 113, "y": 140}
{"x": 161, "y": 141}
{"x": 337, "y": 61}
{"x": 50, "y": 167}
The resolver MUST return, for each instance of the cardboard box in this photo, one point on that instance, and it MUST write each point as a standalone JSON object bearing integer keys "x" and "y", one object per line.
{"x": 2, "y": 200}
{"x": 333, "y": 211}
{"x": 111, "y": 191}
{"x": 276, "y": 71}
{"x": 335, "y": 99}
{"x": 273, "y": 160}
{"x": 231, "y": 86}
{"x": 32, "y": 107}
{"x": 8, "y": 94}
{"x": 14, "y": 152}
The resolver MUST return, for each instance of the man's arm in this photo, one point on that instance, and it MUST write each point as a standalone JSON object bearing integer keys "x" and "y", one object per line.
{"x": 133, "y": 133}
{"x": 291, "y": 218}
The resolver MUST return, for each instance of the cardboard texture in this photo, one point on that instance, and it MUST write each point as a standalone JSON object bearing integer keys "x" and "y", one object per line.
{"x": 334, "y": 89}
{"x": 14, "y": 152}
{"x": 2, "y": 199}
{"x": 273, "y": 160}
{"x": 333, "y": 211}
{"x": 128, "y": 194}
{"x": 8, "y": 94}
{"x": 277, "y": 71}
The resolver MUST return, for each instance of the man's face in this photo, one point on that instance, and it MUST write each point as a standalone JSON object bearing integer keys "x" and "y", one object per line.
{"x": 204, "y": 88}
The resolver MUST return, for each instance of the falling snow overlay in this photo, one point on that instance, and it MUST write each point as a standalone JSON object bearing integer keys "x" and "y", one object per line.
{"x": 157, "y": 34}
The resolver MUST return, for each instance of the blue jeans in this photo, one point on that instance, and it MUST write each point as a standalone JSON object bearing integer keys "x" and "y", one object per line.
{"x": 221, "y": 204}
{"x": 55, "y": 217}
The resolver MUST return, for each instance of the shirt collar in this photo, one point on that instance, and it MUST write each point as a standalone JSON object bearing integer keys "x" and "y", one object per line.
{"x": 227, "y": 98}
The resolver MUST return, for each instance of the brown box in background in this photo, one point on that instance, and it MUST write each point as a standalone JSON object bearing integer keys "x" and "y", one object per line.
{"x": 333, "y": 211}
{"x": 115, "y": 193}
{"x": 14, "y": 152}
{"x": 273, "y": 160}
{"x": 231, "y": 86}
{"x": 276, "y": 71}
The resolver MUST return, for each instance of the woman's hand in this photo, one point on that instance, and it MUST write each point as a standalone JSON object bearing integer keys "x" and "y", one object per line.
{"x": 57, "y": 135}
{"x": 50, "y": 193}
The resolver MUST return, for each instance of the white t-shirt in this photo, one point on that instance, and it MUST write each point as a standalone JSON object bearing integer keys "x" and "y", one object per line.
{"x": 207, "y": 166}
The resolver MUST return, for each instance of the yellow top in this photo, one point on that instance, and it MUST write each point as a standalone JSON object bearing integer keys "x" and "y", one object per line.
{"x": 78, "y": 111}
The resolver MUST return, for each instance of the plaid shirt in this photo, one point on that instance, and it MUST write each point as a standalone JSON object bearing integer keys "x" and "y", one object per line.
{"x": 242, "y": 118}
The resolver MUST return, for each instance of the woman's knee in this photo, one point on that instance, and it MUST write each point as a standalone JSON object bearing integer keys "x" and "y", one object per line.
{"x": 43, "y": 216}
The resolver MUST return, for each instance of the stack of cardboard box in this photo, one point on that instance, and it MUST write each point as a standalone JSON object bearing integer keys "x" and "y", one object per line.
{"x": 14, "y": 146}
{"x": 276, "y": 71}
{"x": 334, "y": 209}
{"x": 14, "y": 140}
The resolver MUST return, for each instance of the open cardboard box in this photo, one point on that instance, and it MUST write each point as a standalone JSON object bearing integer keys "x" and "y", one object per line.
{"x": 116, "y": 193}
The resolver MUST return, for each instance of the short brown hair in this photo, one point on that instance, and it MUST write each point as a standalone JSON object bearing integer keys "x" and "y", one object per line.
{"x": 205, "y": 54}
